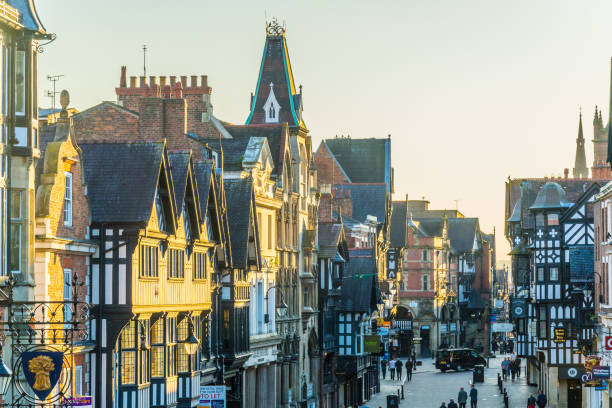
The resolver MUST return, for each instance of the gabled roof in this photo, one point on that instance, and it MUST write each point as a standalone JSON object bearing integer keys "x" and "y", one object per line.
{"x": 462, "y": 232}
{"x": 207, "y": 196}
{"x": 433, "y": 227}
{"x": 275, "y": 133}
{"x": 276, "y": 69}
{"x": 363, "y": 160}
{"x": 358, "y": 295}
{"x": 179, "y": 165}
{"x": 122, "y": 179}
{"x": 368, "y": 199}
{"x": 331, "y": 236}
{"x": 239, "y": 199}
{"x": 233, "y": 151}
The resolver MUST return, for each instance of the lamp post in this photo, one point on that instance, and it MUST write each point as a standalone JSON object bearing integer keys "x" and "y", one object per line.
{"x": 191, "y": 343}
{"x": 282, "y": 308}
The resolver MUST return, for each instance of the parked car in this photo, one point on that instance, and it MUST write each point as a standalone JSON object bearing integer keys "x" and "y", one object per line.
{"x": 458, "y": 359}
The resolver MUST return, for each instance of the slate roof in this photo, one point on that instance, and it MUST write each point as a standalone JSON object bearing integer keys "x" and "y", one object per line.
{"x": 45, "y": 136}
{"x": 398, "y": 225}
{"x": 551, "y": 195}
{"x": 121, "y": 180}
{"x": 433, "y": 227}
{"x": 233, "y": 152}
{"x": 358, "y": 295}
{"x": 368, "y": 199}
{"x": 329, "y": 239}
{"x": 363, "y": 160}
{"x": 202, "y": 171}
{"x": 274, "y": 133}
{"x": 179, "y": 165}
{"x": 462, "y": 232}
{"x": 238, "y": 196}
{"x": 581, "y": 263}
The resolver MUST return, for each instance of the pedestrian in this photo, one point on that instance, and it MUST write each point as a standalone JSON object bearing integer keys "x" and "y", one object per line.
{"x": 462, "y": 398}
{"x": 541, "y": 401}
{"x": 443, "y": 405}
{"x": 383, "y": 366}
{"x": 392, "y": 369}
{"x": 518, "y": 367}
{"x": 473, "y": 397}
{"x": 513, "y": 369}
{"x": 409, "y": 370}
{"x": 452, "y": 404}
{"x": 414, "y": 362}
{"x": 398, "y": 368}
{"x": 504, "y": 365}
{"x": 531, "y": 402}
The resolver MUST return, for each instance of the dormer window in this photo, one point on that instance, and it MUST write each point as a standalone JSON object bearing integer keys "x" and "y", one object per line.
{"x": 187, "y": 223}
{"x": 159, "y": 209}
{"x": 271, "y": 107}
{"x": 162, "y": 205}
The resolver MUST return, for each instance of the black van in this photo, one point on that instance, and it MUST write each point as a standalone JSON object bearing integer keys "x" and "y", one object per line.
{"x": 458, "y": 359}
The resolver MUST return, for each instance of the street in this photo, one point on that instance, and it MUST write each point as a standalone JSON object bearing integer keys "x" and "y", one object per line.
{"x": 429, "y": 387}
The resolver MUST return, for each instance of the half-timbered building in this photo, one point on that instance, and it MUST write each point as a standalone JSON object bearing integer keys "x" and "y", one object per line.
{"x": 552, "y": 235}
{"x": 150, "y": 280}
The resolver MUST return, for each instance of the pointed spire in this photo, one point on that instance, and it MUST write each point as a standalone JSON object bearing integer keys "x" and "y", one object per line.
{"x": 580, "y": 167}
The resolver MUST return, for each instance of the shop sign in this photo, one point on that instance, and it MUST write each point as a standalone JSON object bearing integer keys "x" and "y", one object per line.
{"x": 603, "y": 386}
{"x": 572, "y": 372}
{"x": 453, "y": 327}
{"x": 42, "y": 370}
{"x": 559, "y": 335}
{"x": 371, "y": 343}
{"x": 601, "y": 372}
{"x": 608, "y": 342}
{"x": 443, "y": 328}
{"x": 212, "y": 396}
{"x": 502, "y": 327}
{"x": 83, "y": 402}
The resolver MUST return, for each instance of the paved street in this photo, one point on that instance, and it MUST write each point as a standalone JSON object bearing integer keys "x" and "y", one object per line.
{"x": 429, "y": 387}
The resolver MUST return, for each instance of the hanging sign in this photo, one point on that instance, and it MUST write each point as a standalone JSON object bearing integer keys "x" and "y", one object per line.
{"x": 42, "y": 370}
{"x": 559, "y": 335}
{"x": 212, "y": 396}
{"x": 608, "y": 342}
{"x": 601, "y": 372}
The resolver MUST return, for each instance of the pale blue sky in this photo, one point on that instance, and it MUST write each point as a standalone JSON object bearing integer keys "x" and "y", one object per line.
{"x": 471, "y": 91}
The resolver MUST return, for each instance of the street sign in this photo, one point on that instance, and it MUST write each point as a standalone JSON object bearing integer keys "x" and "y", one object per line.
{"x": 83, "y": 402}
{"x": 518, "y": 308}
{"x": 212, "y": 396}
{"x": 559, "y": 335}
{"x": 608, "y": 342}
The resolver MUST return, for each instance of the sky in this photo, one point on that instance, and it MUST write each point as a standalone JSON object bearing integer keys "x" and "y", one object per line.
{"x": 470, "y": 91}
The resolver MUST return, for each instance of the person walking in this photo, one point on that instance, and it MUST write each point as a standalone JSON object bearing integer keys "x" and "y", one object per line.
{"x": 462, "y": 398}
{"x": 531, "y": 402}
{"x": 383, "y": 367}
{"x": 541, "y": 401}
{"x": 392, "y": 369}
{"x": 452, "y": 404}
{"x": 473, "y": 397}
{"x": 504, "y": 366}
{"x": 443, "y": 405}
{"x": 398, "y": 368}
{"x": 409, "y": 370}
{"x": 413, "y": 357}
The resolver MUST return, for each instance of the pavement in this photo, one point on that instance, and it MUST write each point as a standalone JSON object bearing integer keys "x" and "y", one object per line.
{"x": 429, "y": 387}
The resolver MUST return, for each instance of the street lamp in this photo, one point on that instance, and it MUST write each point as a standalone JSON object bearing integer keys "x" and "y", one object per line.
{"x": 282, "y": 308}
{"x": 5, "y": 375}
{"x": 191, "y": 343}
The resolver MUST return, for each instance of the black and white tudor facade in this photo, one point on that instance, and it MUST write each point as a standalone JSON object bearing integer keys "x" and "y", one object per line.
{"x": 552, "y": 255}
{"x": 158, "y": 235}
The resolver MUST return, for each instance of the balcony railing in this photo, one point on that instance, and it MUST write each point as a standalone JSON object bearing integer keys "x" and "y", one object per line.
{"x": 9, "y": 13}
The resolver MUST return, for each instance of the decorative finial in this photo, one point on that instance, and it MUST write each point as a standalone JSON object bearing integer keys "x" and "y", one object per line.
{"x": 64, "y": 101}
{"x": 274, "y": 29}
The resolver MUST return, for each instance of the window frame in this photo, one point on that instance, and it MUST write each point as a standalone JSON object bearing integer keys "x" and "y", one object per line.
{"x": 175, "y": 264}
{"x": 149, "y": 267}
{"x": 16, "y": 224}
{"x": 68, "y": 198}
{"x": 200, "y": 265}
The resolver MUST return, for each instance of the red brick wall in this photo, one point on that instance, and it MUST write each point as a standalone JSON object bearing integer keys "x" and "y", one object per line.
{"x": 105, "y": 123}
{"x": 328, "y": 171}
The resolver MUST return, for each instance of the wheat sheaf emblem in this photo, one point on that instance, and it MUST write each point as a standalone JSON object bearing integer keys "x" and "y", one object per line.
{"x": 41, "y": 366}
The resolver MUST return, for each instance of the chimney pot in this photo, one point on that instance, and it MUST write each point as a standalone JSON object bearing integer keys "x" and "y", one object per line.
{"x": 172, "y": 79}
{"x": 184, "y": 80}
{"x": 204, "y": 81}
{"x": 132, "y": 82}
{"x": 122, "y": 81}
{"x": 194, "y": 81}
{"x": 566, "y": 173}
{"x": 162, "y": 80}
{"x": 143, "y": 81}
{"x": 152, "y": 80}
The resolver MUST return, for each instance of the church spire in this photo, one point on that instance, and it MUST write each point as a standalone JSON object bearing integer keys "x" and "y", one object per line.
{"x": 580, "y": 167}
{"x": 276, "y": 99}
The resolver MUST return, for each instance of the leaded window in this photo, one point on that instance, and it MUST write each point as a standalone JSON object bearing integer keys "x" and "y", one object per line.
{"x": 200, "y": 265}
{"x": 176, "y": 264}
{"x": 149, "y": 261}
